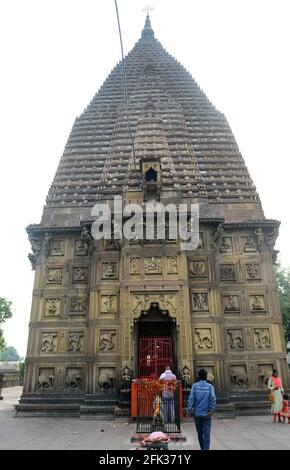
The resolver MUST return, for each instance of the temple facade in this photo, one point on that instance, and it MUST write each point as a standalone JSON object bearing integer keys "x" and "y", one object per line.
{"x": 108, "y": 311}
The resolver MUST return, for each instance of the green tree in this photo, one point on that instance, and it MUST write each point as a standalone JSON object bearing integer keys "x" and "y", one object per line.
{"x": 9, "y": 353}
{"x": 283, "y": 282}
{"x": 5, "y": 313}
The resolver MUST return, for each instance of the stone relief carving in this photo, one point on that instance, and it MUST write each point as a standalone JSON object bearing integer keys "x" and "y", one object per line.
{"x": 87, "y": 240}
{"x": 46, "y": 244}
{"x": 153, "y": 265}
{"x": 78, "y": 304}
{"x": 54, "y": 276}
{"x": 226, "y": 245}
{"x": 52, "y": 308}
{"x": 40, "y": 246}
{"x": 45, "y": 378}
{"x": 57, "y": 248}
{"x": 217, "y": 234}
{"x": 203, "y": 339}
{"x": 235, "y": 339}
{"x": 200, "y": 302}
{"x": 75, "y": 341}
{"x": 271, "y": 237}
{"x": 106, "y": 378}
{"x": 231, "y": 303}
{"x": 262, "y": 338}
{"x": 143, "y": 302}
{"x": 107, "y": 340}
{"x": 198, "y": 269}
{"x": 259, "y": 237}
{"x": 239, "y": 377}
{"x": 250, "y": 245}
{"x": 108, "y": 303}
{"x": 126, "y": 378}
{"x": 228, "y": 272}
{"x": 49, "y": 342}
{"x": 264, "y": 372}
{"x": 186, "y": 378}
{"x": 210, "y": 372}
{"x": 257, "y": 303}
{"x": 79, "y": 275}
{"x": 81, "y": 248}
{"x": 134, "y": 265}
{"x": 109, "y": 270}
{"x": 172, "y": 265}
{"x": 253, "y": 272}
{"x": 200, "y": 241}
{"x": 73, "y": 378}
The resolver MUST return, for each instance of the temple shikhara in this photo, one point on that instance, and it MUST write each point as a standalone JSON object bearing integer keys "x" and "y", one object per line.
{"x": 107, "y": 312}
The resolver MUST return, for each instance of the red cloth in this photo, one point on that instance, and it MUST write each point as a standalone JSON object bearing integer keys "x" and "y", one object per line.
{"x": 277, "y": 382}
{"x": 285, "y": 409}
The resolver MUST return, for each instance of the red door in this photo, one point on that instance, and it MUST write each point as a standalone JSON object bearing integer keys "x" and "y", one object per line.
{"x": 155, "y": 353}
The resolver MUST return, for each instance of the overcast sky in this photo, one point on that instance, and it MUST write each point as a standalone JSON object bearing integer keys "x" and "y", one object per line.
{"x": 54, "y": 56}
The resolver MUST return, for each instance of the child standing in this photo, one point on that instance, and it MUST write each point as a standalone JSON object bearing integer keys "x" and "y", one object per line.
{"x": 285, "y": 412}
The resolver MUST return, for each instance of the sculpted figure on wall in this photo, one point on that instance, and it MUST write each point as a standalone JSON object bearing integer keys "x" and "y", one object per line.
{"x": 262, "y": 338}
{"x": 203, "y": 339}
{"x": 109, "y": 271}
{"x": 57, "y": 248}
{"x": 49, "y": 342}
{"x": 80, "y": 276}
{"x": 200, "y": 302}
{"x": 45, "y": 378}
{"x": 198, "y": 269}
{"x": 239, "y": 377}
{"x": 186, "y": 378}
{"x": 232, "y": 303}
{"x": 73, "y": 378}
{"x": 134, "y": 266}
{"x": 253, "y": 271}
{"x": 76, "y": 341}
{"x": 52, "y": 307}
{"x": 250, "y": 245}
{"x": 228, "y": 272}
{"x": 257, "y": 303}
{"x": 153, "y": 265}
{"x": 106, "y": 378}
{"x": 78, "y": 304}
{"x": 54, "y": 276}
{"x": 218, "y": 233}
{"x": 106, "y": 342}
{"x": 87, "y": 240}
{"x": 265, "y": 372}
{"x": 172, "y": 265}
{"x": 81, "y": 248}
{"x": 235, "y": 339}
{"x": 259, "y": 237}
{"x": 226, "y": 245}
{"x": 126, "y": 379}
{"x": 271, "y": 237}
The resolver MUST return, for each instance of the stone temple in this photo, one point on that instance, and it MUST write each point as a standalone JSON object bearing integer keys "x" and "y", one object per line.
{"x": 105, "y": 312}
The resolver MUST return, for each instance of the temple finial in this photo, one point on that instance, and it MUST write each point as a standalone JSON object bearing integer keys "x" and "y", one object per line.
{"x": 147, "y": 30}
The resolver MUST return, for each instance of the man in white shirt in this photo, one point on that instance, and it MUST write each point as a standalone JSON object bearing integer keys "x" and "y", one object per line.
{"x": 168, "y": 395}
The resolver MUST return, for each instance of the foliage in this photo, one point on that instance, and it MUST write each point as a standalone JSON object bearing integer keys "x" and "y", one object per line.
{"x": 9, "y": 354}
{"x": 21, "y": 371}
{"x": 5, "y": 313}
{"x": 283, "y": 282}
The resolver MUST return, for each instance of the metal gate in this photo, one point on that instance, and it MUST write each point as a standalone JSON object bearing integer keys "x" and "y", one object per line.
{"x": 155, "y": 353}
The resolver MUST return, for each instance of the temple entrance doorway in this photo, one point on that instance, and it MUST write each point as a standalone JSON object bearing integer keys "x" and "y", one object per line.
{"x": 155, "y": 343}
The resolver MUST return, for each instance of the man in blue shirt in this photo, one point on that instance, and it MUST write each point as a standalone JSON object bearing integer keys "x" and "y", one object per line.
{"x": 201, "y": 403}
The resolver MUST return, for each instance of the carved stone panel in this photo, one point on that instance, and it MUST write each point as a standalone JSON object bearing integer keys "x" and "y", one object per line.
{"x": 73, "y": 378}
{"x": 226, "y": 245}
{"x": 228, "y": 272}
{"x": 79, "y": 275}
{"x": 210, "y": 372}
{"x": 81, "y": 248}
{"x": 153, "y": 265}
{"x": 200, "y": 302}
{"x": 249, "y": 245}
{"x": 52, "y": 308}
{"x": 57, "y": 248}
{"x": 231, "y": 304}
{"x": 78, "y": 305}
{"x": 109, "y": 270}
{"x": 264, "y": 373}
{"x": 107, "y": 341}
{"x": 172, "y": 267}
{"x": 75, "y": 341}
{"x": 143, "y": 302}
{"x": 46, "y": 378}
{"x": 203, "y": 339}
{"x": 197, "y": 269}
{"x": 253, "y": 272}
{"x": 106, "y": 378}
{"x": 109, "y": 303}
{"x": 201, "y": 241}
{"x": 49, "y": 342}
{"x": 262, "y": 338}
{"x": 239, "y": 377}
{"x": 134, "y": 266}
{"x": 257, "y": 303}
{"x": 235, "y": 339}
{"x": 54, "y": 276}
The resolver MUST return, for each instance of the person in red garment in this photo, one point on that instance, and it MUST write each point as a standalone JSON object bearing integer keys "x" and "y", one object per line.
{"x": 168, "y": 395}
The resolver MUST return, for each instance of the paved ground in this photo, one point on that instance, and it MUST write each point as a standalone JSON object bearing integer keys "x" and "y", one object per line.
{"x": 69, "y": 433}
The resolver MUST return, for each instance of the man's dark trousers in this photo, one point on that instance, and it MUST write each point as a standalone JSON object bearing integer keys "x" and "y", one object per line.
{"x": 203, "y": 425}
